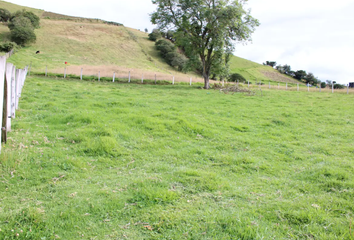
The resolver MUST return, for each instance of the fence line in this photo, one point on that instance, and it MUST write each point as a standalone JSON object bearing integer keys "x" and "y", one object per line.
{"x": 12, "y": 80}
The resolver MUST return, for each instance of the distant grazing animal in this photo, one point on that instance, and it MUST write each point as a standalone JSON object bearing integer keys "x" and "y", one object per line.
{"x": 38, "y": 52}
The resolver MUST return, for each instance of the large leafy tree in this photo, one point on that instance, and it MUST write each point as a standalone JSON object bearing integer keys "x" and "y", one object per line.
{"x": 210, "y": 27}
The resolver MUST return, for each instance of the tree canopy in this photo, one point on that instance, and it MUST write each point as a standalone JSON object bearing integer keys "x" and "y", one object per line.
{"x": 210, "y": 27}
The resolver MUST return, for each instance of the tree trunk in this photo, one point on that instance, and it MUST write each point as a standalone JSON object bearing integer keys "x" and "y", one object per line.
{"x": 206, "y": 81}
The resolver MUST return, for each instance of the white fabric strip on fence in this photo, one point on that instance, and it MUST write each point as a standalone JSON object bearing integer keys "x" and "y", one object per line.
{"x": 8, "y": 76}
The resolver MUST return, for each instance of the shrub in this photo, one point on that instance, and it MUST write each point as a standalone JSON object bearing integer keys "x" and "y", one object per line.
{"x": 20, "y": 21}
{"x": 8, "y": 46}
{"x": 5, "y": 15}
{"x": 30, "y": 15}
{"x": 236, "y": 76}
{"x": 338, "y": 86}
{"x": 154, "y": 35}
{"x": 165, "y": 47}
{"x": 323, "y": 85}
{"x": 23, "y": 35}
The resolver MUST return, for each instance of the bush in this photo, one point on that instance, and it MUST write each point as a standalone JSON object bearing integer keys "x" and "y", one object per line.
{"x": 165, "y": 47}
{"x": 30, "y": 15}
{"x": 154, "y": 35}
{"x": 236, "y": 76}
{"x": 323, "y": 85}
{"x": 5, "y": 15}
{"x": 23, "y": 35}
{"x": 8, "y": 46}
{"x": 338, "y": 86}
{"x": 20, "y": 21}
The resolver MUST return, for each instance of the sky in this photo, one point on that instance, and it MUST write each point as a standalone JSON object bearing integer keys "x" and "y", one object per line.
{"x": 312, "y": 35}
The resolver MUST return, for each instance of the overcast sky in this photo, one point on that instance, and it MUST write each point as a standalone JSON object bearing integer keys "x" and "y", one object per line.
{"x": 312, "y": 35}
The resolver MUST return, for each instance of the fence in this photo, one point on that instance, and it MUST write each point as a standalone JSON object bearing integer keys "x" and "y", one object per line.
{"x": 12, "y": 80}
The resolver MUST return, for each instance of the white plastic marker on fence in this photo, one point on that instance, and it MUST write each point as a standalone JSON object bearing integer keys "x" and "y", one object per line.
{"x": 81, "y": 73}
{"x": 173, "y": 80}
{"x": 13, "y": 93}
{"x": 129, "y": 77}
{"x": 99, "y": 76}
{"x": 8, "y": 76}
{"x": 114, "y": 76}
{"x": 2, "y": 81}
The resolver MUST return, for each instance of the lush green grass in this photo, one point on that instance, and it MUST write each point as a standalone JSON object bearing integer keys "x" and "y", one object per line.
{"x": 90, "y": 160}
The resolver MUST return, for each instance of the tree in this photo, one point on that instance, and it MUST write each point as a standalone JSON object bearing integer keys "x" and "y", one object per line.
{"x": 20, "y": 21}
{"x": 300, "y": 74}
{"x": 146, "y": 30}
{"x": 270, "y": 63}
{"x": 311, "y": 79}
{"x": 210, "y": 27}
{"x": 5, "y": 15}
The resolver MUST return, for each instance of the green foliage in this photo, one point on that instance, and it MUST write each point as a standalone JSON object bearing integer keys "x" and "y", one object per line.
{"x": 7, "y": 46}
{"x": 154, "y": 35}
{"x": 169, "y": 52}
{"x": 300, "y": 74}
{"x": 23, "y": 35}
{"x": 35, "y": 20}
{"x": 338, "y": 86}
{"x": 311, "y": 79}
{"x": 236, "y": 77}
{"x": 5, "y": 15}
{"x": 270, "y": 63}
{"x": 20, "y": 21}
{"x": 195, "y": 24}
{"x": 323, "y": 85}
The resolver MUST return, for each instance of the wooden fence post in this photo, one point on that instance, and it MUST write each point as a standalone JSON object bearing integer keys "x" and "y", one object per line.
{"x": 46, "y": 70}
{"x": 129, "y": 77}
{"x": 114, "y": 76}
{"x": 2, "y": 94}
{"x": 142, "y": 78}
{"x": 99, "y": 76}
{"x": 65, "y": 72}
{"x": 81, "y": 73}
{"x": 298, "y": 87}
{"x": 347, "y": 88}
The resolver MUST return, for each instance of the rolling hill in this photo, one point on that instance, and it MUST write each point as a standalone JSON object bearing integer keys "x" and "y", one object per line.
{"x": 98, "y": 47}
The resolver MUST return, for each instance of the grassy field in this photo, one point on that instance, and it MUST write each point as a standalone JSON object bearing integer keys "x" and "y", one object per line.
{"x": 88, "y": 160}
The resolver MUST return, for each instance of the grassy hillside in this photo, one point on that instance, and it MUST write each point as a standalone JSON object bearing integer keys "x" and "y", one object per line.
{"x": 14, "y": 8}
{"x": 90, "y": 160}
{"x": 97, "y": 47}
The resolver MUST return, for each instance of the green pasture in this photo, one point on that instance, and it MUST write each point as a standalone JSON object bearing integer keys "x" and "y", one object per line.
{"x": 89, "y": 160}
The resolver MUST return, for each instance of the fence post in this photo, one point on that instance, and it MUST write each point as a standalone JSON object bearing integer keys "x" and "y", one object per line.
{"x": 99, "y": 76}
{"x": 190, "y": 82}
{"x": 173, "y": 80}
{"x": 65, "y": 72}
{"x": 2, "y": 92}
{"x": 81, "y": 73}
{"x": 278, "y": 85}
{"x": 308, "y": 87}
{"x": 155, "y": 78}
{"x": 286, "y": 86}
{"x": 46, "y": 70}
{"x": 298, "y": 87}
{"x": 269, "y": 85}
{"x": 114, "y": 76}
{"x": 129, "y": 77}
{"x": 347, "y": 88}
{"x": 223, "y": 82}
{"x": 248, "y": 83}
{"x": 17, "y": 87}
{"x": 9, "y": 72}
{"x": 332, "y": 87}
{"x": 142, "y": 78}
{"x": 13, "y": 93}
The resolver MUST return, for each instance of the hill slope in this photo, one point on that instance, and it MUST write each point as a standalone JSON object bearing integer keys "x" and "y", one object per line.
{"x": 97, "y": 47}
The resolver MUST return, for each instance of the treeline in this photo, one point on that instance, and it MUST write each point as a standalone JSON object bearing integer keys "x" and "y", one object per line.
{"x": 302, "y": 75}
{"x": 22, "y": 25}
